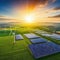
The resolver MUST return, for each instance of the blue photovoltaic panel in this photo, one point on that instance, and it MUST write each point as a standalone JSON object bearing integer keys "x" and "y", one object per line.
{"x": 31, "y": 35}
{"x": 44, "y": 49}
{"x": 40, "y": 32}
{"x": 55, "y": 36}
{"x": 48, "y": 35}
{"x": 18, "y": 37}
{"x": 38, "y": 40}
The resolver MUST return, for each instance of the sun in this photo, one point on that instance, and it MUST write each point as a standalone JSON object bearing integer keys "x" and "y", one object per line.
{"x": 29, "y": 18}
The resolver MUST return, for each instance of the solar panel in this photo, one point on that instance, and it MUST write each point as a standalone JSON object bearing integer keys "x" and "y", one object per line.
{"x": 38, "y": 40}
{"x": 43, "y": 33}
{"x": 44, "y": 49}
{"x": 31, "y": 35}
{"x": 56, "y": 36}
{"x": 18, "y": 37}
{"x": 40, "y": 31}
{"x": 49, "y": 35}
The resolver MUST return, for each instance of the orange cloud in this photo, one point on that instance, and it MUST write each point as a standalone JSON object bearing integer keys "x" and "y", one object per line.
{"x": 7, "y": 19}
{"x": 56, "y": 16}
{"x": 56, "y": 8}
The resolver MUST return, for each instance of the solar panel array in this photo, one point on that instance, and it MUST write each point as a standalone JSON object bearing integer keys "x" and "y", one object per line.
{"x": 38, "y": 40}
{"x": 44, "y": 33}
{"x": 48, "y": 35}
{"x": 40, "y": 31}
{"x": 44, "y": 49}
{"x": 56, "y": 36}
{"x": 18, "y": 37}
{"x": 31, "y": 35}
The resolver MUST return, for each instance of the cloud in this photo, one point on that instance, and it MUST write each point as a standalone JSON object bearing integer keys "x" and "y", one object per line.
{"x": 56, "y": 16}
{"x": 1, "y": 16}
{"x": 41, "y": 2}
{"x": 56, "y": 8}
{"x": 33, "y": 3}
{"x": 7, "y": 19}
{"x": 4, "y": 19}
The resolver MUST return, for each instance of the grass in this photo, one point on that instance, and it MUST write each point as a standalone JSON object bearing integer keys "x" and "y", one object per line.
{"x": 19, "y": 50}
{"x": 10, "y": 51}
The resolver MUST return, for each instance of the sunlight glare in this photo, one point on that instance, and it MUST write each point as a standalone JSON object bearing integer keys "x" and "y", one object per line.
{"x": 29, "y": 18}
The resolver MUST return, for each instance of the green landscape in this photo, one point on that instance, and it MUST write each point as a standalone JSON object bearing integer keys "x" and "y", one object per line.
{"x": 20, "y": 50}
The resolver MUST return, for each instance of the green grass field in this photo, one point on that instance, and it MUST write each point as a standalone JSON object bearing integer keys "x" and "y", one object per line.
{"x": 20, "y": 50}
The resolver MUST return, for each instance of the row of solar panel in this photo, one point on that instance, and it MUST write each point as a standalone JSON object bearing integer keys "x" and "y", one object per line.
{"x": 43, "y": 33}
{"x": 32, "y": 37}
{"x": 44, "y": 49}
{"x": 18, "y": 37}
{"x": 38, "y": 40}
{"x": 54, "y": 36}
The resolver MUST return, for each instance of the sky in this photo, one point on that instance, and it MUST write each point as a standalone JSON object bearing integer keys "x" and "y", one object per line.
{"x": 41, "y": 10}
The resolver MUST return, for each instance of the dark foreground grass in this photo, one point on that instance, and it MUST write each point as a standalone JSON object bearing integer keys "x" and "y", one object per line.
{"x": 19, "y": 50}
